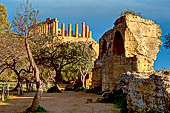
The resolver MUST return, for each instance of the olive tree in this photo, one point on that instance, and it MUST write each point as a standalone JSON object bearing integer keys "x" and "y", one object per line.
{"x": 25, "y": 18}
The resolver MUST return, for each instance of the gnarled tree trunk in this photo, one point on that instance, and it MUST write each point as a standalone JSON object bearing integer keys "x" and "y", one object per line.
{"x": 39, "y": 92}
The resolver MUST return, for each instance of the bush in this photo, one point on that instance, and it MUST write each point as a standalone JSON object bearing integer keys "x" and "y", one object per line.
{"x": 127, "y": 11}
{"x": 39, "y": 110}
{"x": 118, "y": 98}
{"x": 53, "y": 90}
{"x": 96, "y": 90}
{"x": 150, "y": 110}
{"x": 81, "y": 89}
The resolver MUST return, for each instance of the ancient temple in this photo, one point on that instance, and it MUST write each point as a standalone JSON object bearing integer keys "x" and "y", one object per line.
{"x": 50, "y": 28}
{"x": 131, "y": 45}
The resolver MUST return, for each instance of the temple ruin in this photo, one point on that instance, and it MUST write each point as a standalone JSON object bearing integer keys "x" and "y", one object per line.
{"x": 50, "y": 28}
{"x": 132, "y": 45}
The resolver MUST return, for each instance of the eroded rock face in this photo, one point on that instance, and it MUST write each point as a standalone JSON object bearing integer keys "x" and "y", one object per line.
{"x": 146, "y": 90}
{"x": 132, "y": 45}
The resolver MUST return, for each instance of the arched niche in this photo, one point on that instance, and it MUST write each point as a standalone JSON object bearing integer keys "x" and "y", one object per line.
{"x": 118, "y": 44}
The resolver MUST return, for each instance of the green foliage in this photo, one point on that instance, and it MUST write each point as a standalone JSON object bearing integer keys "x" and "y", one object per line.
{"x": 157, "y": 70}
{"x": 39, "y": 110}
{"x": 118, "y": 98}
{"x": 82, "y": 89}
{"x": 150, "y": 110}
{"x": 101, "y": 92}
{"x": 96, "y": 90}
{"x": 3, "y": 18}
{"x": 53, "y": 90}
{"x": 63, "y": 57}
{"x": 127, "y": 11}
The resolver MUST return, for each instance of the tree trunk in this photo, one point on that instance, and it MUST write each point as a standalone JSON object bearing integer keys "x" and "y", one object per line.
{"x": 3, "y": 93}
{"x": 57, "y": 77}
{"x": 39, "y": 92}
{"x": 83, "y": 78}
{"x": 83, "y": 82}
{"x": 18, "y": 83}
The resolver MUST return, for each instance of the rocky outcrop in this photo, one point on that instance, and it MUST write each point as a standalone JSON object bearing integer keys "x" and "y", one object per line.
{"x": 146, "y": 90}
{"x": 132, "y": 45}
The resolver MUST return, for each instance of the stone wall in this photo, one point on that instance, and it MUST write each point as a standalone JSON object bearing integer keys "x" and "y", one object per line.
{"x": 132, "y": 45}
{"x": 146, "y": 90}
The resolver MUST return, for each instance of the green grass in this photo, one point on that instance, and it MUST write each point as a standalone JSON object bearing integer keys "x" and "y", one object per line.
{"x": 40, "y": 109}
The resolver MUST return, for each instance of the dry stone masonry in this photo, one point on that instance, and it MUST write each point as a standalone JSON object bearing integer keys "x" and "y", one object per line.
{"x": 146, "y": 90}
{"x": 132, "y": 45}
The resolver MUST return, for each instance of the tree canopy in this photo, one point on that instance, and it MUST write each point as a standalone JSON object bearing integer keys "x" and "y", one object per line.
{"x": 3, "y": 18}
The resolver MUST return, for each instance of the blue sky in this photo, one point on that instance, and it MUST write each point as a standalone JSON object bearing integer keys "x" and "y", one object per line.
{"x": 101, "y": 14}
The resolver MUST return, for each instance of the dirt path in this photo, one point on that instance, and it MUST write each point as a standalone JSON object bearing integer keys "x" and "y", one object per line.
{"x": 66, "y": 102}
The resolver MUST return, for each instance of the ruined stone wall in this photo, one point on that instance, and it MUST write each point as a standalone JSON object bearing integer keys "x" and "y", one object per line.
{"x": 146, "y": 90}
{"x": 132, "y": 37}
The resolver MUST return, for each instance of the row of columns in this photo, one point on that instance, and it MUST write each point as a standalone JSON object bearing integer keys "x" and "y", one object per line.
{"x": 51, "y": 26}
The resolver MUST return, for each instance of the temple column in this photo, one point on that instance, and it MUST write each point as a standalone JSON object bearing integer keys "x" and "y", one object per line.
{"x": 46, "y": 29}
{"x": 83, "y": 29}
{"x": 90, "y": 34}
{"x": 63, "y": 29}
{"x": 69, "y": 30}
{"x": 76, "y": 30}
{"x": 56, "y": 26}
{"x": 87, "y": 31}
{"x": 53, "y": 26}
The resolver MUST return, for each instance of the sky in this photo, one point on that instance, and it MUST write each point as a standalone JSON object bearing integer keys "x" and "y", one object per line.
{"x": 100, "y": 15}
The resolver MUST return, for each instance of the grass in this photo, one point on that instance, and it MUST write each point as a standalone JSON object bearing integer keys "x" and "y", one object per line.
{"x": 40, "y": 109}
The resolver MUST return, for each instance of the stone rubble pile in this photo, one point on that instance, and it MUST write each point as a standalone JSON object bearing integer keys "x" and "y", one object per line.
{"x": 146, "y": 90}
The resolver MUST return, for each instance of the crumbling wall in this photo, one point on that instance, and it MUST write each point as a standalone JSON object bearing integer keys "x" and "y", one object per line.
{"x": 132, "y": 45}
{"x": 146, "y": 90}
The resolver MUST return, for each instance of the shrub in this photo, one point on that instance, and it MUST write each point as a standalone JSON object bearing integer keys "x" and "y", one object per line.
{"x": 81, "y": 89}
{"x": 96, "y": 90}
{"x": 39, "y": 110}
{"x": 127, "y": 11}
{"x": 118, "y": 98}
{"x": 53, "y": 90}
{"x": 150, "y": 110}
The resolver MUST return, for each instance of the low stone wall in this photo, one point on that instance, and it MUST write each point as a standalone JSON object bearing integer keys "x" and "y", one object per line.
{"x": 146, "y": 90}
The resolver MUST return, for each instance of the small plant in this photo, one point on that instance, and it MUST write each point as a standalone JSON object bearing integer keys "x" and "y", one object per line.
{"x": 81, "y": 89}
{"x": 119, "y": 99}
{"x": 53, "y": 90}
{"x": 39, "y": 110}
{"x": 127, "y": 11}
{"x": 150, "y": 110}
{"x": 95, "y": 90}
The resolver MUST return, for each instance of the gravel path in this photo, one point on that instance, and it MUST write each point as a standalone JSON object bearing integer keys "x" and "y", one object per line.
{"x": 66, "y": 102}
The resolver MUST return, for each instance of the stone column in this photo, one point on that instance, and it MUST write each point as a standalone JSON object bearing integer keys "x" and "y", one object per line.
{"x": 43, "y": 29}
{"x": 87, "y": 31}
{"x": 53, "y": 26}
{"x": 56, "y": 26}
{"x": 83, "y": 29}
{"x": 63, "y": 29}
{"x": 90, "y": 34}
{"x": 46, "y": 29}
{"x": 69, "y": 30}
{"x": 76, "y": 30}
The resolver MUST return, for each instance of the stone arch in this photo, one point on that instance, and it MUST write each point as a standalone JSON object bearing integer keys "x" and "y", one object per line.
{"x": 118, "y": 44}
